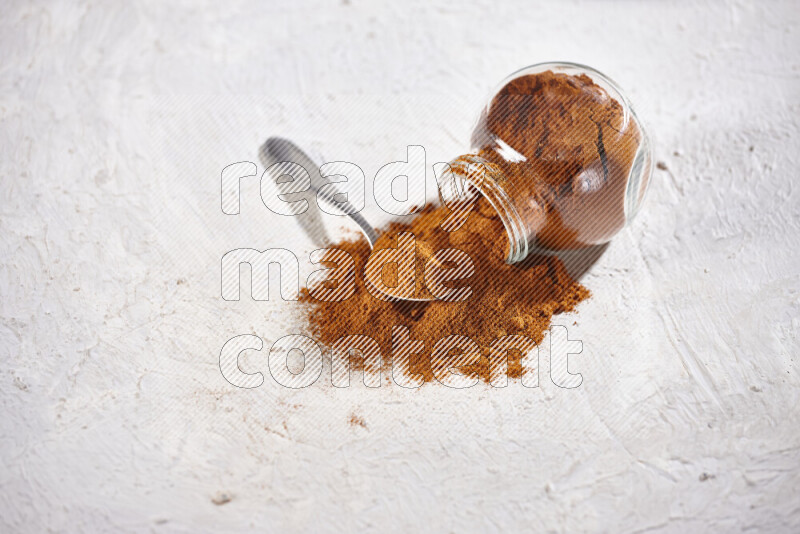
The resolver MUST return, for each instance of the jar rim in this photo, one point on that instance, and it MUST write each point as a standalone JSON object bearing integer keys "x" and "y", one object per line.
{"x": 497, "y": 197}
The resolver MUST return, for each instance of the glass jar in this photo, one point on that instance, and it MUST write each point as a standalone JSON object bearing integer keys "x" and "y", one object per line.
{"x": 560, "y": 155}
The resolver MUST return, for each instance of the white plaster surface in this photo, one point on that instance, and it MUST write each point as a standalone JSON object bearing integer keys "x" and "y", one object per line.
{"x": 115, "y": 122}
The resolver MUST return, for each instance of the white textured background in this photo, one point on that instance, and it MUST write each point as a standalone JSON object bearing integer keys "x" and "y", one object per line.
{"x": 115, "y": 122}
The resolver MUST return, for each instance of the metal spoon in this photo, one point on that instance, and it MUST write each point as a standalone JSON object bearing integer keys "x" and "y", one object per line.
{"x": 277, "y": 149}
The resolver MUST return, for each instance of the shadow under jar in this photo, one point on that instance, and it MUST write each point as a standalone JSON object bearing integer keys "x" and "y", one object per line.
{"x": 561, "y": 156}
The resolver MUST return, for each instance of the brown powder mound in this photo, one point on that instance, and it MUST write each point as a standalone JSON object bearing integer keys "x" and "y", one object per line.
{"x": 506, "y": 299}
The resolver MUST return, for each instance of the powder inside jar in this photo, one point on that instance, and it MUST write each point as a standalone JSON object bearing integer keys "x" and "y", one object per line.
{"x": 574, "y": 149}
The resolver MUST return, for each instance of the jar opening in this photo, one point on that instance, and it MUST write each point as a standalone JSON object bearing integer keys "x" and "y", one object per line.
{"x": 473, "y": 172}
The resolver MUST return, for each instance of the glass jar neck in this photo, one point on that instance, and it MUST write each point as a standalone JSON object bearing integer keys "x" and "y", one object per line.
{"x": 472, "y": 175}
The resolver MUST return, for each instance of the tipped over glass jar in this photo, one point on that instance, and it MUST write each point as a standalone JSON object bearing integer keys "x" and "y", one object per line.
{"x": 562, "y": 157}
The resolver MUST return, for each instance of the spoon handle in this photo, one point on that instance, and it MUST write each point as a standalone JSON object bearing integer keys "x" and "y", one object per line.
{"x": 278, "y": 149}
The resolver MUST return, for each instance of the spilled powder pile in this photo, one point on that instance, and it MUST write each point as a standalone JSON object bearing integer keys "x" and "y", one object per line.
{"x": 506, "y": 299}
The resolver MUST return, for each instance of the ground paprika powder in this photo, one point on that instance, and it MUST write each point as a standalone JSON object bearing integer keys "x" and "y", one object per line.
{"x": 560, "y": 125}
